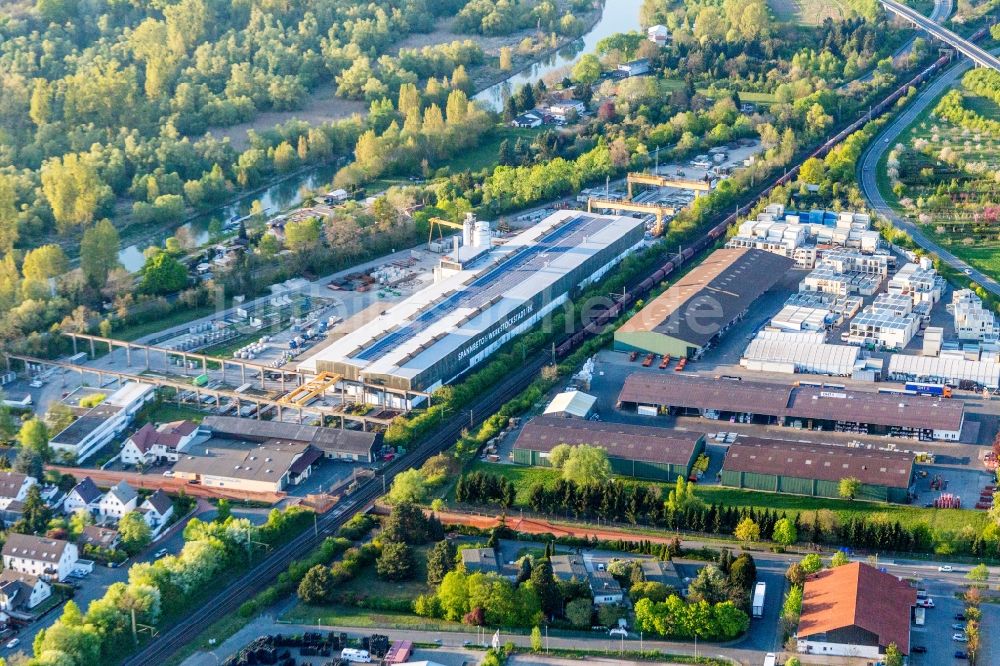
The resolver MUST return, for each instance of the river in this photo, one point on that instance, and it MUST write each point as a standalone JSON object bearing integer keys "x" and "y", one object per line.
{"x": 618, "y": 16}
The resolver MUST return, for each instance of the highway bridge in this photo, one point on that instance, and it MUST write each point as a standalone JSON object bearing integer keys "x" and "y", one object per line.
{"x": 979, "y": 56}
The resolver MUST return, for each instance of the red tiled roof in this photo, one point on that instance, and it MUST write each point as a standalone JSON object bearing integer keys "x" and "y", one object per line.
{"x": 859, "y": 595}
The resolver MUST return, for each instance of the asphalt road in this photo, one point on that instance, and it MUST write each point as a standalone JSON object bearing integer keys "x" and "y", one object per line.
{"x": 883, "y": 142}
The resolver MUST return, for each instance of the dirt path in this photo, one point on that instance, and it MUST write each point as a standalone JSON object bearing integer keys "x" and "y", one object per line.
{"x": 536, "y": 526}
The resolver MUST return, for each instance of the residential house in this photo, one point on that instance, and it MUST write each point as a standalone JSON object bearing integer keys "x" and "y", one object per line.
{"x": 14, "y": 487}
{"x": 605, "y": 588}
{"x": 99, "y": 537}
{"x": 118, "y": 501}
{"x": 50, "y": 559}
{"x": 562, "y": 111}
{"x": 568, "y": 567}
{"x": 84, "y": 495}
{"x": 481, "y": 560}
{"x": 658, "y": 34}
{"x": 157, "y": 510}
{"x": 634, "y": 68}
{"x": 855, "y": 610}
{"x": 151, "y": 445}
{"x": 21, "y": 592}
{"x": 528, "y": 119}
{"x": 658, "y": 571}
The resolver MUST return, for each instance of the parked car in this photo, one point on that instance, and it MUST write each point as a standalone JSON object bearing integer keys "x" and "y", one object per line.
{"x": 945, "y": 568}
{"x": 958, "y": 626}
{"x": 960, "y": 638}
{"x": 959, "y": 654}
{"x": 163, "y": 552}
{"x": 959, "y": 616}
{"x": 926, "y": 603}
{"x": 919, "y": 649}
{"x": 13, "y": 643}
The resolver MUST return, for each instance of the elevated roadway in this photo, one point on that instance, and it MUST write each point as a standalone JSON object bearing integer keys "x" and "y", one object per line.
{"x": 980, "y": 56}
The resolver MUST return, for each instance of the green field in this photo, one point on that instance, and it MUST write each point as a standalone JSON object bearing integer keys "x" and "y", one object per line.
{"x": 156, "y": 325}
{"x": 942, "y": 519}
{"x": 368, "y": 584}
{"x": 171, "y": 411}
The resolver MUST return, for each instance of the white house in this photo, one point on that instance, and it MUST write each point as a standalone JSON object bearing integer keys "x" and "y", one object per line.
{"x": 658, "y": 34}
{"x": 118, "y": 501}
{"x": 157, "y": 510}
{"x": 151, "y": 445}
{"x": 84, "y": 495}
{"x": 635, "y": 67}
{"x": 101, "y": 424}
{"x": 562, "y": 110}
{"x": 14, "y": 488}
{"x": 46, "y": 558}
{"x": 20, "y": 592}
{"x": 528, "y": 119}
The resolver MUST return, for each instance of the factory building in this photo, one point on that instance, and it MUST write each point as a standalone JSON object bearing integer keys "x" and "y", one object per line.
{"x": 828, "y": 280}
{"x": 642, "y": 452}
{"x": 447, "y": 328}
{"x": 884, "y": 328}
{"x": 972, "y": 320}
{"x": 800, "y": 406}
{"x": 696, "y": 310}
{"x": 797, "y": 468}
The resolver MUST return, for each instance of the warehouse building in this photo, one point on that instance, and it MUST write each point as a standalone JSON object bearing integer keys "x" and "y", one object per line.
{"x": 445, "y": 329}
{"x": 696, "y": 310}
{"x": 773, "y": 351}
{"x": 809, "y": 407}
{"x": 883, "y": 328}
{"x": 642, "y": 452}
{"x": 796, "y": 468}
{"x": 856, "y": 611}
{"x": 951, "y": 370}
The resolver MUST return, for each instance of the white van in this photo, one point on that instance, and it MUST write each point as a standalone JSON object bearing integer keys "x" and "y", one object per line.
{"x": 357, "y": 656}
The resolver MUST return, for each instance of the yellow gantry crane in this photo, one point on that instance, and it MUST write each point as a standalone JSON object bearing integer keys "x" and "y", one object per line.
{"x": 439, "y": 223}
{"x": 300, "y": 396}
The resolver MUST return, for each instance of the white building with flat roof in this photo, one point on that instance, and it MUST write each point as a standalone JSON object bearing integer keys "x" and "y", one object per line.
{"x": 920, "y": 282}
{"x": 883, "y": 328}
{"x": 99, "y": 425}
{"x": 972, "y": 320}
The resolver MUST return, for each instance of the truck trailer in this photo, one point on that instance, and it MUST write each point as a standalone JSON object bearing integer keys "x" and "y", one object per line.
{"x": 759, "y": 591}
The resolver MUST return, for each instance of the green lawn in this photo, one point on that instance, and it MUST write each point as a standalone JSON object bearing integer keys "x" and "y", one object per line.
{"x": 171, "y": 411}
{"x": 944, "y": 519}
{"x": 348, "y": 616}
{"x": 368, "y": 584}
{"x": 485, "y": 155}
{"x": 809, "y": 12}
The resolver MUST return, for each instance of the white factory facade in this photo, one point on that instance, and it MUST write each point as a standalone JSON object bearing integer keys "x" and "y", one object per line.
{"x": 482, "y": 297}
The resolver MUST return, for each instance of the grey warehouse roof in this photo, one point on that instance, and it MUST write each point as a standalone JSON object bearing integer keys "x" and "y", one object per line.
{"x": 711, "y": 296}
{"x": 325, "y": 439}
{"x": 620, "y": 440}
